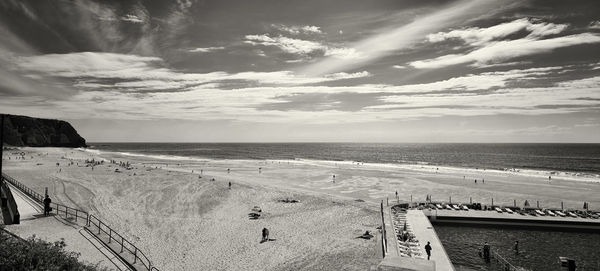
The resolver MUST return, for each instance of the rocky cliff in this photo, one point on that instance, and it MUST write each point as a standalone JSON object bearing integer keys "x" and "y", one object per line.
{"x": 34, "y": 132}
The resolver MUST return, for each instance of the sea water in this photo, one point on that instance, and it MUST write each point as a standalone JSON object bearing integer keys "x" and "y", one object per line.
{"x": 571, "y": 159}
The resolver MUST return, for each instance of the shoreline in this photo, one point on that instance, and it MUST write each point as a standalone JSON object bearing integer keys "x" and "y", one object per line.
{"x": 422, "y": 166}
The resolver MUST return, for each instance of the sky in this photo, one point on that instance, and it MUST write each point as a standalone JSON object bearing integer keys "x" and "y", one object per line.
{"x": 306, "y": 70}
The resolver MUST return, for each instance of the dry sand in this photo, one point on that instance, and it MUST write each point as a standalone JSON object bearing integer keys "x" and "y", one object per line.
{"x": 184, "y": 222}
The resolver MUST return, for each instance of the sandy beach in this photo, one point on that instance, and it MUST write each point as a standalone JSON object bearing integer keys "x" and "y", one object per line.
{"x": 183, "y": 220}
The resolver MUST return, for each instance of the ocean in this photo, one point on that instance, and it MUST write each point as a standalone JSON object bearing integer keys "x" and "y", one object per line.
{"x": 576, "y": 159}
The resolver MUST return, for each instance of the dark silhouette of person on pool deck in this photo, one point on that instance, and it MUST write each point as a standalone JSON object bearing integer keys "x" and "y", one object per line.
{"x": 265, "y": 235}
{"x": 47, "y": 202}
{"x": 428, "y": 250}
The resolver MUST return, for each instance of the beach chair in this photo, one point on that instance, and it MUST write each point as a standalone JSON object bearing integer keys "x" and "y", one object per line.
{"x": 498, "y": 210}
{"x": 508, "y": 210}
{"x": 448, "y": 207}
{"x": 561, "y": 213}
{"x": 465, "y": 207}
{"x": 540, "y": 212}
{"x": 550, "y": 213}
{"x": 456, "y": 207}
{"x": 439, "y": 206}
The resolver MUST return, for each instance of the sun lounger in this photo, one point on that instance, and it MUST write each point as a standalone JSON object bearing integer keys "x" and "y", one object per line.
{"x": 540, "y": 212}
{"x": 561, "y": 213}
{"x": 448, "y": 207}
{"x": 439, "y": 206}
{"x": 550, "y": 213}
{"x": 465, "y": 207}
{"x": 508, "y": 210}
{"x": 498, "y": 210}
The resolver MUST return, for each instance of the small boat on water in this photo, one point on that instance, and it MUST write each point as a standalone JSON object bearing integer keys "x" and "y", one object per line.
{"x": 540, "y": 212}
{"x": 508, "y": 210}
{"x": 498, "y": 209}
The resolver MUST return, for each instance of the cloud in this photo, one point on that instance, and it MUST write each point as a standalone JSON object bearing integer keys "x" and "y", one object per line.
{"x": 400, "y": 67}
{"x": 97, "y": 68}
{"x": 295, "y": 30}
{"x": 495, "y": 52}
{"x": 476, "y": 36}
{"x": 132, "y": 19}
{"x": 594, "y": 25}
{"x": 302, "y": 47}
{"x": 393, "y": 38}
{"x": 205, "y": 50}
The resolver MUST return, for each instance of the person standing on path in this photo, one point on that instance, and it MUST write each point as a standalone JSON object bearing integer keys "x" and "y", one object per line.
{"x": 47, "y": 202}
{"x": 428, "y": 250}
{"x": 516, "y": 248}
{"x": 229, "y": 185}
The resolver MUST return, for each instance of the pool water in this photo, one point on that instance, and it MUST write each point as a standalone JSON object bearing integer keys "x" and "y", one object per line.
{"x": 538, "y": 250}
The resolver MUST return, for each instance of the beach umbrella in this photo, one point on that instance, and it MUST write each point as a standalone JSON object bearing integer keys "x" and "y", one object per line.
{"x": 526, "y": 203}
{"x": 585, "y": 205}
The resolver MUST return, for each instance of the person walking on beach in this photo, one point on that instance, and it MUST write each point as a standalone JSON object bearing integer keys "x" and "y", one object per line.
{"x": 229, "y": 185}
{"x": 516, "y": 248}
{"x": 265, "y": 235}
{"x": 47, "y": 202}
{"x": 428, "y": 250}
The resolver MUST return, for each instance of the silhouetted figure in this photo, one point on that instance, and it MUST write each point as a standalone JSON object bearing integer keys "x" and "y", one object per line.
{"x": 47, "y": 202}
{"x": 516, "y": 248}
{"x": 265, "y": 235}
{"x": 229, "y": 185}
{"x": 486, "y": 251}
{"x": 428, "y": 250}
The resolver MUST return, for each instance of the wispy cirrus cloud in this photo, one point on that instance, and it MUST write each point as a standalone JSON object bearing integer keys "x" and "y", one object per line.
{"x": 496, "y": 52}
{"x": 206, "y": 49}
{"x": 132, "y": 19}
{"x": 391, "y": 39}
{"x": 304, "y": 48}
{"x": 149, "y": 73}
{"x": 295, "y": 30}
{"x": 491, "y": 47}
{"x": 476, "y": 36}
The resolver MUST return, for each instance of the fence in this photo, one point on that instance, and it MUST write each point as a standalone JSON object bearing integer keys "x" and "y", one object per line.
{"x": 92, "y": 223}
{"x": 504, "y": 264}
{"x": 383, "y": 232}
{"x": 8, "y": 202}
{"x": 120, "y": 243}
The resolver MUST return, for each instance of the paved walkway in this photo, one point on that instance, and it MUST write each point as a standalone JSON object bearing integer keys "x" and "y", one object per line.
{"x": 425, "y": 232}
{"x": 54, "y": 228}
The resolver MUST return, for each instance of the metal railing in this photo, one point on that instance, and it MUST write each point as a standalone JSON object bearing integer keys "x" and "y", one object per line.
{"x": 93, "y": 223}
{"x": 383, "y": 233}
{"x": 505, "y": 265}
{"x": 96, "y": 225}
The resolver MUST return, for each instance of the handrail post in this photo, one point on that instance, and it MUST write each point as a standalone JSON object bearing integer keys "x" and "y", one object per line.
{"x": 121, "y": 244}
{"x": 75, "y": 214}
{"x": 109, "y": 234}
{"x": 135, "y": 255}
